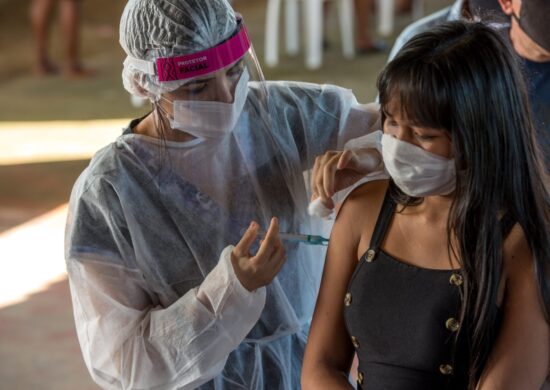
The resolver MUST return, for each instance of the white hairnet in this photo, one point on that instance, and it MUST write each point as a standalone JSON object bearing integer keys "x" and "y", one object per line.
{"x": 150, "y": 29}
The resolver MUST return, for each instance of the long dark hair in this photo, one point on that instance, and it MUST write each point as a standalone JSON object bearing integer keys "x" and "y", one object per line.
{"x": 463, "y": 78}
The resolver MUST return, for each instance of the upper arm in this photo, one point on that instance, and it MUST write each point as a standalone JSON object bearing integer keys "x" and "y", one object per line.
{"x": 520, "y": 357}
{"x": 329, "y": 350}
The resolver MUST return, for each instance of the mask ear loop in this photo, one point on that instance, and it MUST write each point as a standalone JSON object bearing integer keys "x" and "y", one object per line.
{"x": 161, "y": 114}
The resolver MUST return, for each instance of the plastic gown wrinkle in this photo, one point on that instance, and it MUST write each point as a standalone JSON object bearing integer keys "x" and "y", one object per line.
{"x": 155, "y": 304}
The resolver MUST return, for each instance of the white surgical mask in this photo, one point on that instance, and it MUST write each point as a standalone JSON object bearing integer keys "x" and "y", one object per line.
{"x": 415, "y": 171}
{"x": 210, "y": 119}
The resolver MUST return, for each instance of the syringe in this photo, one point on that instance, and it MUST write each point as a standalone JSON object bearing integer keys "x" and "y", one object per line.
{"x": 309, "y": 239}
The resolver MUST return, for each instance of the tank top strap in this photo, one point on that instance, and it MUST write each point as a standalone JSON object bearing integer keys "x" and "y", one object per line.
{"x": 383, "y": 221}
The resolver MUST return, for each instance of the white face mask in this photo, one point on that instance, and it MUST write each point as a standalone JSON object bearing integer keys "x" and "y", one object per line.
{"x": 210, "y": 119}
{"x": 415, "y": 171}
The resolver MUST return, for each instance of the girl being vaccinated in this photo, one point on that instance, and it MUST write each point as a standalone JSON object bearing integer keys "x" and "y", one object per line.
{"x": 438, "y": 277}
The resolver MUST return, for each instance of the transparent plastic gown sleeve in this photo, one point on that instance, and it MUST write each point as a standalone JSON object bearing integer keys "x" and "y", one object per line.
{"x": 128, "y": 340}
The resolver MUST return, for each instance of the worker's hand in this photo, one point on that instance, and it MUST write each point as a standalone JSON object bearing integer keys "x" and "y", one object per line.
{"x": 337, "y": 170}
{"x": 259, "y": 270}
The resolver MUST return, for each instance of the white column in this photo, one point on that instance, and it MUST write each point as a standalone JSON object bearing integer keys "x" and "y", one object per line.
{"x": 386, "y": 10}
{"x": 347, "y": 22}
{"x": 313, "y": 14}
{"x": 292, "y": 34}
{"x": 272, "y": 32}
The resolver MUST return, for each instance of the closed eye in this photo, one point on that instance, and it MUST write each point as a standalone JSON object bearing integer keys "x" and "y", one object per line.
{"x": 195, "y": 88}
{"x": 423, "y": 137}
{"x": 236, "y": 70}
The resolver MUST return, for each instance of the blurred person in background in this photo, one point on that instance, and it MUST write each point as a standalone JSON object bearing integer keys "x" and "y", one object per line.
{"x": 69, "y": 17}
{"x": 460, "y": 9}
{"x": 527, "y": 28}
{"x": 364, "y": 41}
{"x": 161, "y": 297}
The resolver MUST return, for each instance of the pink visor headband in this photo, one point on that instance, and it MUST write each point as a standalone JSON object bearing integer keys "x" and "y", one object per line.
{"x": 206, "y": 61}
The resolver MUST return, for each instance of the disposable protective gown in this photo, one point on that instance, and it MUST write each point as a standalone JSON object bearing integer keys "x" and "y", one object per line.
{"x": 148, "y": 241}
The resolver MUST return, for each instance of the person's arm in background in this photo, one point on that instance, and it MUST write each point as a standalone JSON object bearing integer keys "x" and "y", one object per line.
{"x": 128, "y": 339}
{"x": 520, "y": 356}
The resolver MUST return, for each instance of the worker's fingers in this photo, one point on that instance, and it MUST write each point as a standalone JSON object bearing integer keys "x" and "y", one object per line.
{"x": 270, "y": 242}
{"x": 323, "y": 165}
{"x": 312, "y": 181}
{"x": 329, "y": 175}
{"x": 345, "y": 160}
{"x": 317, "y": 177}
{"x": 243, "y": 247}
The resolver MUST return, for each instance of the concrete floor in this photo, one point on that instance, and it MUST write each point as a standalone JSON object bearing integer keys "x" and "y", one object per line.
{"x": 38, "y": 346}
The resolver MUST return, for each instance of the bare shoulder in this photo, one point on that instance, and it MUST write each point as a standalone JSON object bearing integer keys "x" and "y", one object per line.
{"x": 365, "y": 201}
{"x": 358, "y": 214}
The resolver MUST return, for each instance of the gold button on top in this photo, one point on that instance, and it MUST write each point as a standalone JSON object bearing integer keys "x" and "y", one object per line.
{"x": 355, "y": 342}
{"x": 446, "y": 369}
{"x": 347, "y": 299}
{"x": 456, "y": 279}
{"x": 452, "y": 324}
{"x": 360, "y": 378}
{"x": 370, "y": 255}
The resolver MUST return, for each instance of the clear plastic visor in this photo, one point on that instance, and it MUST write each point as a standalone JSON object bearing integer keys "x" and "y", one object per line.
{"x": 211, "y": 105}
{"x": 219, "y": 86}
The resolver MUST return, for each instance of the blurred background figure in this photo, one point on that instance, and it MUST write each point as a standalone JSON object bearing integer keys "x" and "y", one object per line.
{"x": 69, "y": 19}
{"x": 365, "y": 43}
{"x": 459, "y": 9}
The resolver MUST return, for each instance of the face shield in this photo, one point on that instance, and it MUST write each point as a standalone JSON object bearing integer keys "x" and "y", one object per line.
{"x": 204, "y": 93}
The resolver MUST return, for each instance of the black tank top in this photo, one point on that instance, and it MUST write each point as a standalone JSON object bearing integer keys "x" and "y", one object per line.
{"x": 402, "y": 320}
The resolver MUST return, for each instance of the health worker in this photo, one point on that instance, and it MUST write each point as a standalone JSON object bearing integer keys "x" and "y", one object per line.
{"x": 176, "y": 267}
